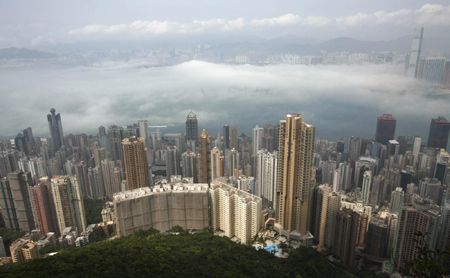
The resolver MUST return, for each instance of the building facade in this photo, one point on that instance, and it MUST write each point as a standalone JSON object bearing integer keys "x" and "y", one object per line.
{"x": 136, "y": 164}
{"x": 162, "y": 207}
{"x": 234, "y": 211}
{"x": 296, "y": 142}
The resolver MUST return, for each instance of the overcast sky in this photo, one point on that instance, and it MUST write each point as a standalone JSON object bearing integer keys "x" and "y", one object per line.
{"x": 33, "y": 23}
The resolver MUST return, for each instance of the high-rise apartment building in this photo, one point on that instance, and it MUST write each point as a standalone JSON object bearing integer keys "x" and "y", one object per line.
{"x": 21, "y": 143}
{"x": 414, "y": 57}
{"x": 2, "y": 248}
{"x": 446, "y": 75}
{"x": 377, "y": 237}
{"x": 16, "y": 208}
{"x": 69, "y": 204}
{"x": 439, "y": 130}
{"x": 420, "y": 216}
{"x": 296, "y": 143}
{"x": 44, "y": 207}
{"x": 188, "y": 165}
{"x": 143, "y": 132}
{"x": 397, "y": 198}
{"x": 345, "y": 236}
{"x": 366, "y": 187}
{"x": 385, "y": 129}
{"x": 204, "y": 159}
{"x": 107, "y": 167}
{"x": 226, "y": 136}
{"x": 257, "y": 138}
{"x": 266, "y": 176}
{"x": 234, "y": 211}
{"x": 192, "y": 127}
{"x": 215, "y": 164}
{"x": 28, "y": 134}
{"x": 444, "y": 233}
{"x": 115, "y": 136}
{"x": 56, "y": 130}
{"x": 172, "y": 161}
{"x": 234, "y": 140}
{"x": 136, "y": 164}
{"x": 433, "y": 70}
{"x": 162, "y": 208}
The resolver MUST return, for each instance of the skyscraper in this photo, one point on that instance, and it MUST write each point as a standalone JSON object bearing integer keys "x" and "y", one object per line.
{"x": 28, "y": 133}
{"x": 44, "y": 207}
{"x": 21, "y": 143}
{"x": 420, "y": 216}
{"x": 257, "y": 137}
{"x": 397, "y": 198}
{"x": 172, "y": 161}
{"x": 366, "y": 186}
{"x": 143, "y": 132}
{"x": 188, "y": 165}
{"x": 136, "y": 164}
{"x": 266, "y": 176}
{"x": 204, "y": 158}
{"x": 345, "y": 236}
{"x": 69, "y": 204}
{"x": 192, "y": 127}
{"x": 215, "y": 164}
{"x": 226, "y": 136}
{"x": 56, "y": 130}
{"x": 416, "y": 149}
{"x": 438, "y": 136}
{"x": 433, "y": 70}
{"x": 115, "y": 136}
{"x": 234, "y": 140}
{"x": 414, "y": 57}
{"x": 446, "y": 75}
{"x": 234, "y": 211}
{"x": 385, "y": 129}
{"x": 17, "y": 209}
{"x": 296, "y": 143}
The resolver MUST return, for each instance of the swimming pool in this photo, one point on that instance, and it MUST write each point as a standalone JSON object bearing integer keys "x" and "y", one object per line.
{"x": 269, "y": 248}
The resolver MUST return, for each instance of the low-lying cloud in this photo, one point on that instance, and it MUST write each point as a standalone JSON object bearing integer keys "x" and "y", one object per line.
{"x": 339, "y": 100}
{"x": 428, "y": 15}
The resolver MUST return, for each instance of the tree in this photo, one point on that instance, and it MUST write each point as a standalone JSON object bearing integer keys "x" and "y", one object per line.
{"x": 97, "y": 234}
{"x": 93, "y": 210}
{"x": 427, "y": 263}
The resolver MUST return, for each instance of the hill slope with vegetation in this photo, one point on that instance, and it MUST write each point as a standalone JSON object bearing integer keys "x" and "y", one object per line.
{"x": 151, "y": 254}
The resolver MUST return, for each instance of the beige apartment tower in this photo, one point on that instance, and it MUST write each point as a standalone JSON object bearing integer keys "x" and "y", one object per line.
{"x": 296, "y": 140}
{"x": 136, "y": 165}
{"x": 234, "y": 211}
{"x": 204, "y": 159}
{"x": 69, "y": 203}
{"x": 215, "y": 164}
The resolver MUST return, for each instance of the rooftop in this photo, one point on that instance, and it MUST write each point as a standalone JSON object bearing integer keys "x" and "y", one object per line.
{"x": 171, "y": 187}
{"x": 224, "y": 185}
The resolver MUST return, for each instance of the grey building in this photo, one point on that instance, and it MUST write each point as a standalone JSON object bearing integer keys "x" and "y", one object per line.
{"x": 56, "y": 130}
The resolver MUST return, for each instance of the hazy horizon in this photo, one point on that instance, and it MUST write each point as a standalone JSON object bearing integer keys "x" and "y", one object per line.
{"x": 340, "y": 101}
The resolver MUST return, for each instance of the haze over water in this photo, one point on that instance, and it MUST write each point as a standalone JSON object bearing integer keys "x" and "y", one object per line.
{"x": 340, "y": 101}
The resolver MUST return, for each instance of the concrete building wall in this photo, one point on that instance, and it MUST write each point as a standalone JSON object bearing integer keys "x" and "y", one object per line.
{"x": 187, "y": 207}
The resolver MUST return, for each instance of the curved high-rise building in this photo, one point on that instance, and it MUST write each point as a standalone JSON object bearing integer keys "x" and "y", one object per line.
{"x": 56, "y": 130}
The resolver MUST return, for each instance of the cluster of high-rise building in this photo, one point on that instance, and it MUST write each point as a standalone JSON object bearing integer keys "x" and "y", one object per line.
{"x": 353, "y": 198}
{"x": 435, "y": 70}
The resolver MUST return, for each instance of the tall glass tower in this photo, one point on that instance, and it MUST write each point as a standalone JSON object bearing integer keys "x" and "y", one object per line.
{"x": 56, "y": 130}
{"x": 414, "y": 57}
